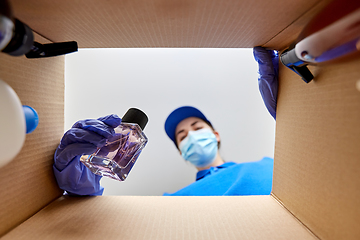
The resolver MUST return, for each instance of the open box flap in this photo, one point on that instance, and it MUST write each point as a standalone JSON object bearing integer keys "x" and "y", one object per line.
{"x": 27, "y": 183}
{"x": 317, "y": 149}
{"x": 128, "y": 217}
{"x": 163, "y": 23}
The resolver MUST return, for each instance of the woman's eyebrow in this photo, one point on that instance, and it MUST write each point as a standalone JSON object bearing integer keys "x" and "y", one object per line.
{"x": 182, "y": 130}
{"x": 194, "y": 123}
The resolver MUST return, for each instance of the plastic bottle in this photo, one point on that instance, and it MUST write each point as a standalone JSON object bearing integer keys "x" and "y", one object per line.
{"x": 16, "y": 120}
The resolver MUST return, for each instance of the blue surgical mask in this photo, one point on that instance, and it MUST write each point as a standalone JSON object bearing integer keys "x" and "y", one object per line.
{"x": 199, "y": 147}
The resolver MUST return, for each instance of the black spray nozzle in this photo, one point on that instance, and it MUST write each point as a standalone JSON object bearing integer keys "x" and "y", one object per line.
{"x": 39, "y": 50}
{"x": 290, "y": 60}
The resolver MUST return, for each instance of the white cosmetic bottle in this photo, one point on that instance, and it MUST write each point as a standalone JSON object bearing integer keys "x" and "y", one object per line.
{"x": 16, "y": 120}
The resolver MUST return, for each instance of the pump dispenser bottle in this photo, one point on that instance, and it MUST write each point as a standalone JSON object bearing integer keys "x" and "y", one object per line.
{"x": 118, "y": 156}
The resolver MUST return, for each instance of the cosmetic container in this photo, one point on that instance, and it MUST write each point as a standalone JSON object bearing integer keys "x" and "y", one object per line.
{"x": 118, "y": 156}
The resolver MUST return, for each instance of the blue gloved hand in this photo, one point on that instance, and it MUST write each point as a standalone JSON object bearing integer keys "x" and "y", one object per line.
{"x": 268, "y": 61}
{"x": 83, "y": 138}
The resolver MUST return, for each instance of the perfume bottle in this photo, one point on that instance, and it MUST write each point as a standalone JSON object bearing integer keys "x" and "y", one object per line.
{"x": 118, "y": 156}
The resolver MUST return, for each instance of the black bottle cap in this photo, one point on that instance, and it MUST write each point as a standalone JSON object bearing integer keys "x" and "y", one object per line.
{"x": 134, "y": 115}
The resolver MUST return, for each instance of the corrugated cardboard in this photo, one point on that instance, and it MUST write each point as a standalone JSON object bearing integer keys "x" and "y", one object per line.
{"x": 289, "y": 34}
{"x": 164, "y": 23}
{"x": 317, "y": 149}
{"x": 316, "y": 184}
{"x": 253, "y": 217}
{"x": 27, "y": 183}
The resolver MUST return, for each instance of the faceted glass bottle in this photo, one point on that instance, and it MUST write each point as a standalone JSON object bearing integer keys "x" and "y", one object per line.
{"x": 118, "y": 156}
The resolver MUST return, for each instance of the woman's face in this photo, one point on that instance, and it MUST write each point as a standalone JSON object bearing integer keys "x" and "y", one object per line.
{"x": 191, "y": 124}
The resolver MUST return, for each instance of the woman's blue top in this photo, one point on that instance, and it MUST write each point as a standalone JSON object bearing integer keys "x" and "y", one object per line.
{"x": 250, "y": 178}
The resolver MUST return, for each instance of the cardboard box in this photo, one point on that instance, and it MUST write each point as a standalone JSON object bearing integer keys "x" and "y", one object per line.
{"x": 316, "y": 188}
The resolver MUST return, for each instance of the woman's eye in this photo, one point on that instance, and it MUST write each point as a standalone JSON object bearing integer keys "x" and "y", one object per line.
{"x": 198, "y": 128}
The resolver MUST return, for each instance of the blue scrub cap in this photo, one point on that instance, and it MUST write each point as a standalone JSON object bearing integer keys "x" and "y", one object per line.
{"x": 178, "y": 115}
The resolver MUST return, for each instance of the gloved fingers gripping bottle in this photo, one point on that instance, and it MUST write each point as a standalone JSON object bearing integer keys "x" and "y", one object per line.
{"x": 118, "y": 156}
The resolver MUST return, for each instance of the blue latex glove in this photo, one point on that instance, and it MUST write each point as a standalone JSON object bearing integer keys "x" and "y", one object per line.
{"x": 84, "y": 137}
{"x": 268, "y": 61}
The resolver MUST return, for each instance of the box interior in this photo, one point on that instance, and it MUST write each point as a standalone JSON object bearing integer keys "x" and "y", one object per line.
{"x": 27, "y": 182}
{"x": 149, "y": 217}
{"x": 317, "y": 148}
{"x": 315, "y": 188}
{"x": 162, "y": 23}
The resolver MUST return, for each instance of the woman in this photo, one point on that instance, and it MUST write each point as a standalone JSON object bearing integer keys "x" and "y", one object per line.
{"x": 198, "y": 143}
